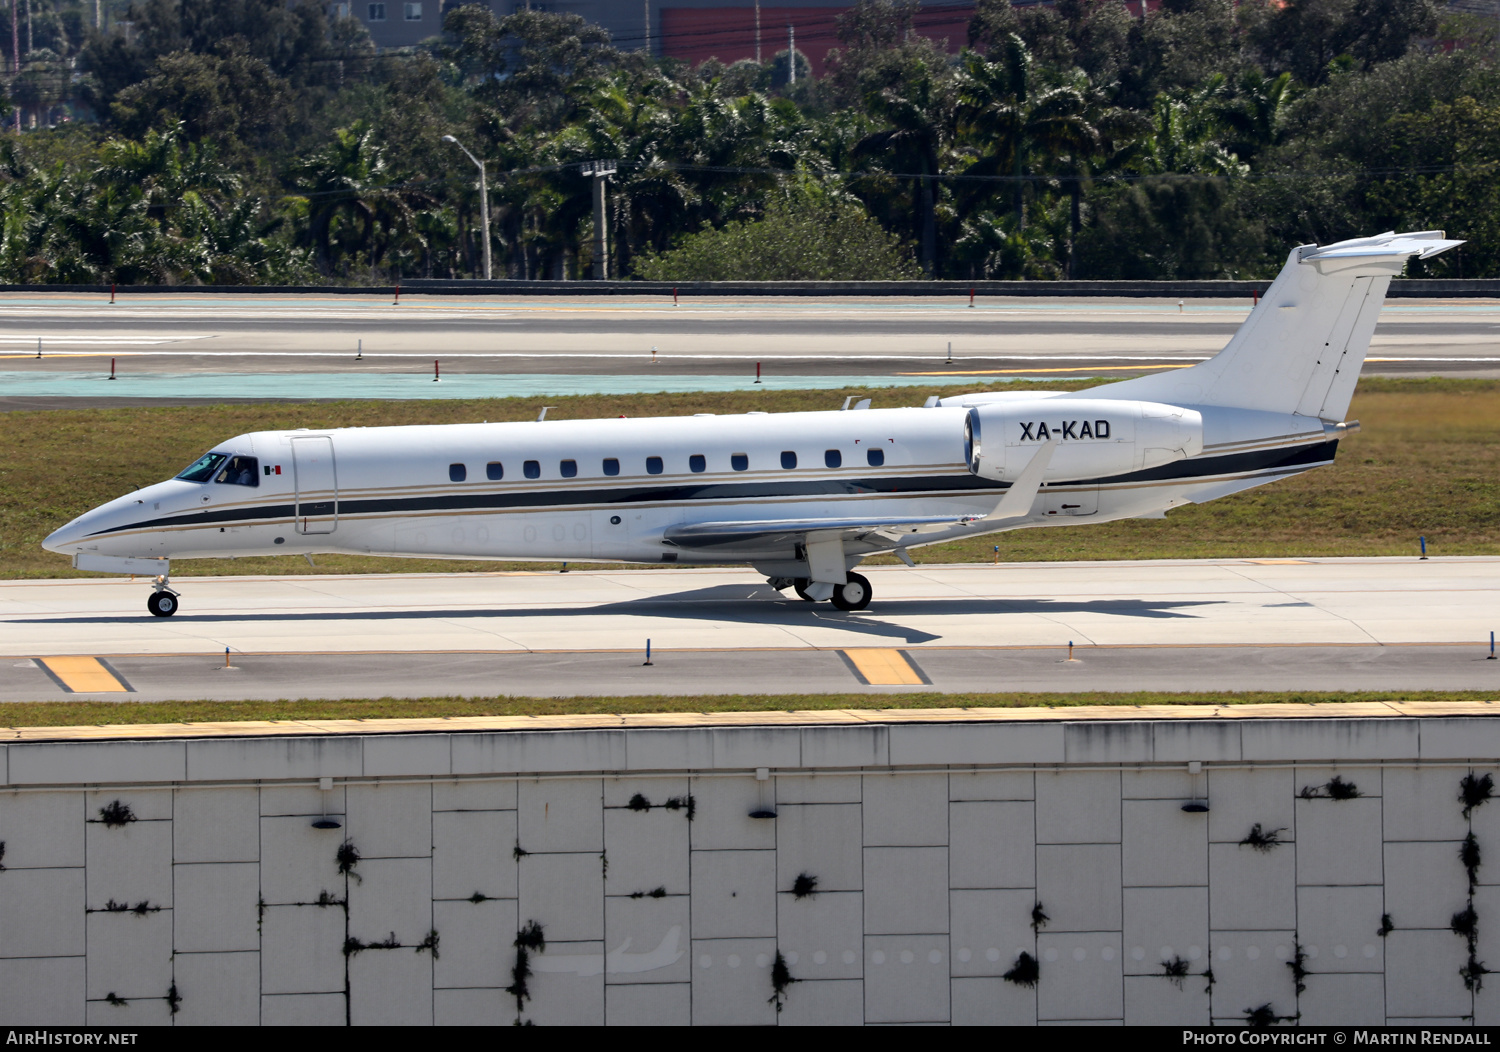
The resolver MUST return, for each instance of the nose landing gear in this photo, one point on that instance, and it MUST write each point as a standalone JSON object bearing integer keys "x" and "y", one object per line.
{"x": 163, "y": 601}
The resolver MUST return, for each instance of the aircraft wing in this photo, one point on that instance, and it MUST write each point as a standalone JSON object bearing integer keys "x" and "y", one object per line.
{"x": 1015, "y": 504}
{"x": 711, "y": 534}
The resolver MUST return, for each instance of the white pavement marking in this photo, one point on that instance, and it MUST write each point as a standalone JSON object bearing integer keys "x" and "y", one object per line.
{"x": 1167, "y": 603}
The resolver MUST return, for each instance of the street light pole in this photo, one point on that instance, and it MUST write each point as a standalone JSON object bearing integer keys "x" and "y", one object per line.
{"x": 484, "y": 202}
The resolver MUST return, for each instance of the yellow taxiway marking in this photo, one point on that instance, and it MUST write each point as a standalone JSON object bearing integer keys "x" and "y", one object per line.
{"x": 84, "y": 675}
{"x": 878, "y": 667}
{"x": 1071, "y": 369}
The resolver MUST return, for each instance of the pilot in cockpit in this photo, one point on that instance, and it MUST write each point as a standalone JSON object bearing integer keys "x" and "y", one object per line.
{"x": 239, "y": 471}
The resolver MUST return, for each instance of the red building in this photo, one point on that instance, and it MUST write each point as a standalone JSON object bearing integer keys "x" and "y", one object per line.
{"x": 730, "y": 33}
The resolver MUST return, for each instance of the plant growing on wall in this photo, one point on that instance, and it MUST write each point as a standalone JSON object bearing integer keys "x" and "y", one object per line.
{"x": 1025, "y": 972}
{"x": 347, "y": 858}
{"x": 1265, "y": 1016}
{"x": 530, "y": 939}
{"x": 518, "y": 852}
{"x": 1333, "y": 789}
{"x": 1474, "y": 791}
{"x": 638, "y": 802}
{"x": 115, "y": 814}
{"x": 2, "y": 856}
{"x": 781, "y": 979}
{"x": 1468, "y": 854}
{"x": 1039, "y": 917}
{"x": 805, "y": 886}
{"x": 654, "y": 893}
{"x": 140, "y": 909}
{"x": 1175, "y": 970}
{"x": 1261, "y": 840}
{"x": 174, "y": 999}
{"x": 1386, "y": 925}
{"x": 1298, "y": 965}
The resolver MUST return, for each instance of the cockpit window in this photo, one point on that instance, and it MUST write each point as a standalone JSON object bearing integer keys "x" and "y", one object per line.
{"x": 203, "y": 469}
{"x": 239, "y": 471}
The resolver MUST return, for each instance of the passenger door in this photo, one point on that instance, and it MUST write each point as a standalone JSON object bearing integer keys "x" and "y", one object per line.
{"x": 315, "y": 479}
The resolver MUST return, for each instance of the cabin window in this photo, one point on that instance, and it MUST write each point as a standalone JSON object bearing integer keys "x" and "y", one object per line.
{"x": 457, "y": 472}
{"x": 611, "y": 466}
{"x": 494, "y": 471}
{"x": 832, "y": 458}
{"x": 788, "y": 459}
{"x": 696, "y": 463}
{"x": 568, "y": 469}
{"x": 739, "y": 461}
{"x": 876, "y": 457}
{"x": 240, "y": 471}
{"x": 653, "y": 465}
{"x": 532, "y": 469}
{"x": 203, "y": 469}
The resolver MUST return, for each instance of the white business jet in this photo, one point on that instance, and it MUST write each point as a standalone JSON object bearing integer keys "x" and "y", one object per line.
{"x": 802, "y": 497}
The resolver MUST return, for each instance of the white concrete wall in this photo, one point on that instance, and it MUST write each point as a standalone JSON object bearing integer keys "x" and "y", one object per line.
{"x": 931, "y": 844}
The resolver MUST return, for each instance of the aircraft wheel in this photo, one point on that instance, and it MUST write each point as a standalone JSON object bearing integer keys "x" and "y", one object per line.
{"x": 800, "y": 586}
{"x": 162, "y": 604}
{"x": 853, "y": 595}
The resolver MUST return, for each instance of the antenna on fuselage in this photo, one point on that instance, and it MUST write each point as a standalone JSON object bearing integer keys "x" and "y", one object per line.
{"x": 543, "y": 414}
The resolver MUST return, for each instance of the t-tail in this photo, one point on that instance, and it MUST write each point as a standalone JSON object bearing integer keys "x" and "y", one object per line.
{"x": 1301, "y": 349}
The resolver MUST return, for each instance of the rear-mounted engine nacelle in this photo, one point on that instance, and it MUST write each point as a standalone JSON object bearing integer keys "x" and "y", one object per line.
{"x": 1096, "y": 437}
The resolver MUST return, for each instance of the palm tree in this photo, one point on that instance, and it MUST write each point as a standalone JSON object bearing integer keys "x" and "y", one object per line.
{"x": 919, "y": 118}
{"x": 353, "y": 196}
{"x": 1024, "y": 122}
{"x": 1257, "y": 118}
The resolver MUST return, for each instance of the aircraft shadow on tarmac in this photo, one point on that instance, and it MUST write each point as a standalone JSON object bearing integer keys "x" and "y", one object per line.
{"x": 739, "y": 604}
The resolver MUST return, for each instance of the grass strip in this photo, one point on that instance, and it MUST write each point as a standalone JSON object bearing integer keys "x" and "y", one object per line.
{"x": 1426, "y": 464}
{"x": 99, "y": 713}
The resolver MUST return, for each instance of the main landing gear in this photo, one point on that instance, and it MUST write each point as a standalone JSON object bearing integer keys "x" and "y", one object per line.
{"x": 163, "y": 601}
{"x": 853, "y": 594}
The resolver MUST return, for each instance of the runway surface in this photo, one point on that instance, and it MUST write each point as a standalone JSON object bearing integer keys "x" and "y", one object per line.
{"x": 301, "y": 347}
{"x": 1326, "y": 624}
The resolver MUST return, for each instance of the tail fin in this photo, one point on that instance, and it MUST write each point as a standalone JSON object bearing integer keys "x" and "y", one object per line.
{"x": 1301, "y": 348}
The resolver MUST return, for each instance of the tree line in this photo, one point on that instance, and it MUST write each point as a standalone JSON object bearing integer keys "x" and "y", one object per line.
{"x": 261, "y": 141}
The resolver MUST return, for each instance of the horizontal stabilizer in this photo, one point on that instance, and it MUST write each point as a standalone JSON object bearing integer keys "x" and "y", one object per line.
{"x": 711, "y": 534}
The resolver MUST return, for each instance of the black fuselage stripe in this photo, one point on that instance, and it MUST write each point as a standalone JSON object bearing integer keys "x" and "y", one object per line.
{"x": 715, "y": 492}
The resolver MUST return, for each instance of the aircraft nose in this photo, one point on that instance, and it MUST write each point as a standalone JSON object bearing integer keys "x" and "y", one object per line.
{"x": 66, "y": 539}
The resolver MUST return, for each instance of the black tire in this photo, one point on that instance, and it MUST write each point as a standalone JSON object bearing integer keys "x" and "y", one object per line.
{"x": 853, "y": 595}
{"x": 162, "y": 604}
{"x": 800, "y": 587}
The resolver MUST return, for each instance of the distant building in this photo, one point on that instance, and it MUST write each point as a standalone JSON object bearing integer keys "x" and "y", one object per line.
{"x": 692, "y": 30}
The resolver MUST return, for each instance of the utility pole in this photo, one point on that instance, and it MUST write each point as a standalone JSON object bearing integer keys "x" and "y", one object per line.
{"x": 757, "y": 32}
{"x": 791, "y": 54}
{"x": 484, "y": 202}
{"x": 599, "y": 171}
{"x": 648, "y": 26}
{"x": 15, "y": 54}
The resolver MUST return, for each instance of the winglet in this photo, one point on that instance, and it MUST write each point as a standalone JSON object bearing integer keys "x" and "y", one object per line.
{"x": 1017, "y": 502}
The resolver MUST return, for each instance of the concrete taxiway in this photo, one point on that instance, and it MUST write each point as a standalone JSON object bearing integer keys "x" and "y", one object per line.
{"x": 1322, "y": 624}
